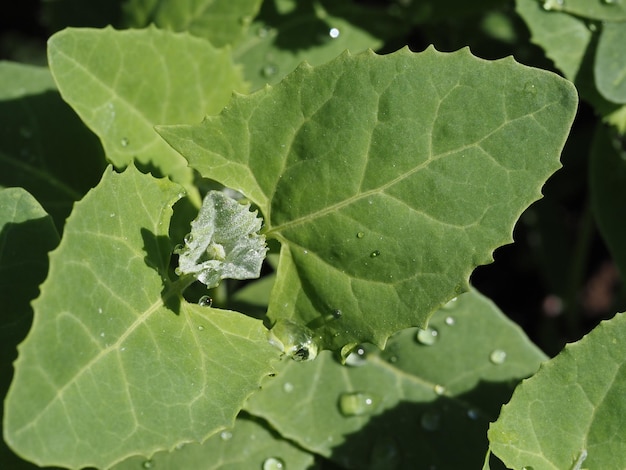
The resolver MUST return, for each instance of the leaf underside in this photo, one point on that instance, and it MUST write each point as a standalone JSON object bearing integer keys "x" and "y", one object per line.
{"x": 116, "y": 360}
{"x": 387, "y": 179}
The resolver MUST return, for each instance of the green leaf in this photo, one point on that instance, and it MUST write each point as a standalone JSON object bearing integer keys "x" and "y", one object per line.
{"x": 223, "y": 243}
{"x": 246, "y": 446}
{"x": 571, "y": 413}
{"x": 565, "y": 38}
{"x": 607, "y": 179}
{"x": 116, "y": 361}
{"x": 44, "y": 147}
{"x": 27, "y": 234}
{"x": 610, "y": 64}
{"x": 222, "y": 22}
{"x": 122, "y": 83}
{"x": 288, "y": 32}
{"x": 604, "y": 10}
{"x": 387, "y": 179}
{"x": 428, "y": 393}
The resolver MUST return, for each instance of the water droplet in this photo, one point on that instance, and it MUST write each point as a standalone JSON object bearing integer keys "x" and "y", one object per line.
{"x": 357, "y": 357}
{"x": 450, "y": 321}
{"x": 439, "y": 389}
{"x": 611, "y": 2}
{"x": 530, "y": 88}
{"x": 553, "y": 4}
{"x": 294, "y": 340}
{"x": 581, "y": 458}
{"x": 472, "y": 414}
{"x": 112, "y": 214}
{"x": 360, "y": 234}
{"x": 451, "y": 303}
{"x": 269, "y": 70}
{"x": 288, "y": 387}
{"x": 200, "y": 328}
{"x": 334, "y": 33}
{"x": 100, "y": 310}
{"x": 393, "y": 359}
{"x": 357, "y": 403}
{"x": 273, "y": 463}
{"x": 497, "y": 356}
{"x": 431, "y": 421}
{"x": 148, "y": 464}
{"x": 205, "y": 301}
{"x": 427, "y": 337}
{"x": 337, "y": 314}
{"x": 102, "y": 334}
{"x": 178, "y": 271}
{"x": 375, "y": 254}
{"x": 226, "y": 435}
{"x": 188, "y": 239}
{"x": 179, "y": 249}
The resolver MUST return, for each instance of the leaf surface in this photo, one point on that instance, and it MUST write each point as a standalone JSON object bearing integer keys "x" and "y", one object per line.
{"x": 122, "y": 83}
{"x": 115, "y": 360}
{"x": 44, "y": 146}
{"x": 248, "y": 445}
{"x": 222, "y": 22}
{"x": 387, "y": 179}
{"x": 27, "y": 234}
{"x": 571, "y": 413}
{"x": 430, "y": 393}
{"x": 610, "y": 64}
{"x": 605, "y": 10}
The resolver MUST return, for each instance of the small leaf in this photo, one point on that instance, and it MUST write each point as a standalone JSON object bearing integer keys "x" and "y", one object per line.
{"x": 610, "y": 64}
{"x": 223, "y": 243}
{"x": 431, "y": 157}
{"x": 407, "y": 406}
{"x": 571, "y": 413}
{"x": 116, "y": 360}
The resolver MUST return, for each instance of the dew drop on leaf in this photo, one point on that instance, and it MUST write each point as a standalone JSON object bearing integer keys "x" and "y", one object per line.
{"x": 273, "y": 463}
{"x": 147, "y": 464}
{"x": 497, "y": 356}
{"x": 294, "y": 340}
{"x": 334, "y": 33}
{"x": 360, "y": 234}
{"x": 357, "y": 358}
{"x": 450, "y": 321}
{"x": 205, "y": 301}
{"x": 439, "y": 389}
{"x": 124, "y": 142}
{"x": 375, "y": 254}
{"x": 430, "y": 421}
{"x": 427, "y": 337}
{"x": 188, "y": 239}
{"x": 288, "y": 387}
{"x": 200, "y": 328}
{"x": 337, "y": 314}
{"x": 226, "y": 435}
{"x": 611, "y": 2}
{"x": 269, "y": 70}
{"x": 357, "y": 403}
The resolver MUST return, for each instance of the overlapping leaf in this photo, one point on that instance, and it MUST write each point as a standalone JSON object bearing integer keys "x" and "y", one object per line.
{"x": 429, "y": 393}
{"x": 122, "y": 83}
{"x": 222, "y": 22}
{"x": 571, "y": 413}
{"x": 386, "y": 178}
{"x": 115, "y": 360}
{"x": 610, "y": 64}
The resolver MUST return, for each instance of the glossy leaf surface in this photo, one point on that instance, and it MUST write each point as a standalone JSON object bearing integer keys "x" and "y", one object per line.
{"x": 115, "y": 359}
{"x": 384, "y": 196}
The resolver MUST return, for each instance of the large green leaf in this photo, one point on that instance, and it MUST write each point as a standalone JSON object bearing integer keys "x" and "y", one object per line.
{"x": 122, "y": 83}
{"x": 248, "y": 445}
{"x": 431, "y": 391}
{"x": 571, "y": 414}
{"x": 605, "y": 10}
{"x": 610, "y": 65}
{"x": 44, "y": 147}
{"x": 26, "y": 235}
{"x": 220, "y": 21}
{"x": 116, "y": 364}
{"x": 288, "y": 32}
{"x": 607, "y": 180}
{"x": 386, "y": 178}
